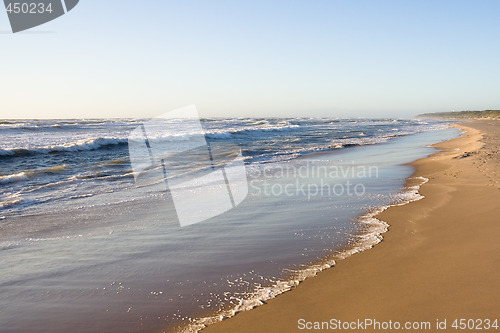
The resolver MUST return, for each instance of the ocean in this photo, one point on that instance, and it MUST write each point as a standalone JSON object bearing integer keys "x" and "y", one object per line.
{"x": 85, "y": 246}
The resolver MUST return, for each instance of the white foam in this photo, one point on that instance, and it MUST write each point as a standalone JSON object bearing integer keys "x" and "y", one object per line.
{"x": 27, "y": 174}
{"x": 80, "y": 145}
{"x": 368, "y": 239}
{"x": 14, "y": 178}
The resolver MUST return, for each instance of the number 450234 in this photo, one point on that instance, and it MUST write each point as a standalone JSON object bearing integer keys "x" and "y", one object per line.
{"x": 475, "y": 324}
{"x": 28, "y": 8}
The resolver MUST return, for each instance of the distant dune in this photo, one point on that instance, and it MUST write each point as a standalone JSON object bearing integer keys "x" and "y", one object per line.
{"x": 463, "y": 114}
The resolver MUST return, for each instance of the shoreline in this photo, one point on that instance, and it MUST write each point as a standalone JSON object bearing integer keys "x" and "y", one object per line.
{"x": 307, "y": 301}
{"x": 370, "y": 233}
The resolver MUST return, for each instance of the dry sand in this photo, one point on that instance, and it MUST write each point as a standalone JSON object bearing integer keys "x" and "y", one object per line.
{"x": 439, "y": 260}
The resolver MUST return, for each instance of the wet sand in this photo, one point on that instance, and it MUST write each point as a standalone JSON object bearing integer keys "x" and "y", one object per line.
{"x": 440, "y": 259}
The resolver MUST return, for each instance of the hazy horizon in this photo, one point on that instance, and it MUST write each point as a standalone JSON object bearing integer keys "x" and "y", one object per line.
{"x": 208, "y": 117}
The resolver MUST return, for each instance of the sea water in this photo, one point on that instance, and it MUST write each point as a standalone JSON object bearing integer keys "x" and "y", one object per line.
{"x": 83, "y": 247}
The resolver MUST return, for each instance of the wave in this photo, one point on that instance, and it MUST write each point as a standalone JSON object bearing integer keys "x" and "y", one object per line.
{"x": 290, "y": 152}
{"x": 10, "y": 202}
{"x": 103, "y": 175}
{"x": 221, "y": 133}
{"x": 28, "y": 174}
{"x": 280, "y": 127}
{"x": 81, "y": 145}
{"x": 14, "y": 178}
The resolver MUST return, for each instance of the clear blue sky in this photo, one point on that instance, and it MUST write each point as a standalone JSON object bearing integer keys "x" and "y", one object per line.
{"x": 123, "y": 58}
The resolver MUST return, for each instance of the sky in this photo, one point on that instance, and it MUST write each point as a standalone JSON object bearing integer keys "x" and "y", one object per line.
{"x": 308, "y": 58}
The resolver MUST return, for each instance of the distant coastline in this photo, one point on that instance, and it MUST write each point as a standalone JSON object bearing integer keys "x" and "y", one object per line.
{"x": 462, "y": 115}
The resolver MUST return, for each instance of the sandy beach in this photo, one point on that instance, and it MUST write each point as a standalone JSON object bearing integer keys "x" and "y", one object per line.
{"x": 439, "y": 261}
